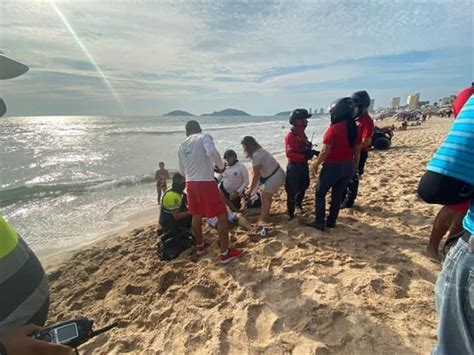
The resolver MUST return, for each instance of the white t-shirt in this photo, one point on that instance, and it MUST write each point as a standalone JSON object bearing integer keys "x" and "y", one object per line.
{"x": 267, "y": 162}
{"x": 235, "y": 178}
{"x": 197, "y": 156}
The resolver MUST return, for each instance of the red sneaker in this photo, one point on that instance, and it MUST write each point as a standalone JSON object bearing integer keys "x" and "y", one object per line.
{"x": 201, "y": 249}
{"x": 231, "y": 255}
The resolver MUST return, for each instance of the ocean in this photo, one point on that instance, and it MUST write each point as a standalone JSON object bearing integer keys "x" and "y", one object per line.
{"x": 68, "y": 180}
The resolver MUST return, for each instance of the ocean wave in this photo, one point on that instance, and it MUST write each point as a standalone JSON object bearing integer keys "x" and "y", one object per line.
{"x": 26, "y": 193}
{"x": 204, "y": 128}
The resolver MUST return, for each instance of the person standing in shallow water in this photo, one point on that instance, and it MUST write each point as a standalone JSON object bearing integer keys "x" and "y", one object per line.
{"x": 298, "y": 151}
{"x": 339, "y": 155}
{"x": 161, "y": 177}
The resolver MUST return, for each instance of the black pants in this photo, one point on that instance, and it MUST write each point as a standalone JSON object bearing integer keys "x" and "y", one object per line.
{"x": 334, "y": 176}
{"x": 350, "y": 194}
{"x": 297, "y": 182}
{"x": 237, "y": 202}
{"x": 444, "y": 190}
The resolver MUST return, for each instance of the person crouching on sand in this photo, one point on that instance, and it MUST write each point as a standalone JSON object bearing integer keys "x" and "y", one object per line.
{"x": 197, "y": 156}
{"x": 235, "y": 179}
{"x": 161, "y": 177}
{"x": 339, "y": 155}
{"x": 266, "y": 170}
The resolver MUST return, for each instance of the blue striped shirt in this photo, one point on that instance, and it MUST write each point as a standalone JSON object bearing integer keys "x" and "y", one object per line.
{"x": 455, "y": 156}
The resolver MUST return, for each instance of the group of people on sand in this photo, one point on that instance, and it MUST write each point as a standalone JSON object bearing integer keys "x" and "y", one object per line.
{"x": 337, "y": 167}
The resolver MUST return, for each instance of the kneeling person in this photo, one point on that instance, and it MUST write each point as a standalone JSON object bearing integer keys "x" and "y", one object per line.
{"x": 174, "y": 211}
{"x": 235, "y": 180}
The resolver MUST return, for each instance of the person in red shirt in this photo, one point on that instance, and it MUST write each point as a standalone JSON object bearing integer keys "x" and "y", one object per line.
{"x": 298, "y": 150}
{"x": 339, "y": 156}
{"x": 449, "y": 217}
{"x": 365, "y": 125}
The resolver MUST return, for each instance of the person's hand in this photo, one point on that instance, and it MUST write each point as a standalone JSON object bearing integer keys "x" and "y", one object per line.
{"x": 19, "y": 341}
{"x": 234, "y": 195}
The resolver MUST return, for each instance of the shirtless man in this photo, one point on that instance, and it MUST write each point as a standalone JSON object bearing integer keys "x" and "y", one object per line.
{"x": 161, "y": 177}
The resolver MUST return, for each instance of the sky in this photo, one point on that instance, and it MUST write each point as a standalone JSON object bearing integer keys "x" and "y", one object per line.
{"x": 142, "y": 57}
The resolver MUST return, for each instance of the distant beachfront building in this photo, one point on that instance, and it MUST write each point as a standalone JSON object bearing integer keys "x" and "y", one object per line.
{"x": 371, "y": 106}
{"x": 412, "y": 101}
{"x": 395, "y": 102}
{"x": 447, "y": 100}
{"x": 321, "y": 110}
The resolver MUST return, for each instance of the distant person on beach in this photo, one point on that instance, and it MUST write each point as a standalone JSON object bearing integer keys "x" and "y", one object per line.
{"x": 298, "y": 151}
{"x": 24, "y": 297}
{"x": 266, "y": 171}
{"x": 449, "y": 179}
{"x": 161, "y": 177}
{"x": 197, "y": 157}
{"x": 174, "y": 215}
{"x": 365, "y": 126}
{"x": 235, "y": 179}
{"x": 449, "y": 217}
{"x": 339, "y": 156}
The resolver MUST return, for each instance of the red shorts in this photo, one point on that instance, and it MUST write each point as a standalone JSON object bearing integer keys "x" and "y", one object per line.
{"x": 204, "y": 199}
{"x": 460, "y": 207}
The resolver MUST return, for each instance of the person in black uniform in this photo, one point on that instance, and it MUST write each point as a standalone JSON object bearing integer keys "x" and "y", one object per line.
{"x": 298, "y": 150}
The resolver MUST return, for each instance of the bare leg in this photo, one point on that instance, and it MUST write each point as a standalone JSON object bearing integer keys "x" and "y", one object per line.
{"x": 159, "y": 190}
{"x": 196, "y": 226}
{"x": 456, "y": 226}
{"x": 441, "y": 224}
{"x": 266, "y": 204}
{"x": 223, "y": 232}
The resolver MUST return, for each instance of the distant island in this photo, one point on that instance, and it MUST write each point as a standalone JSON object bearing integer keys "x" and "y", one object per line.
{"x": 178, "y": 113}
{"x": 227, "y": 112}
{"x": 284, "y": 113}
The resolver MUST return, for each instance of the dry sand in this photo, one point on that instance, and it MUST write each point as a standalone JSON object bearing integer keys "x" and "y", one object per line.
{"x": 365, "y": 287}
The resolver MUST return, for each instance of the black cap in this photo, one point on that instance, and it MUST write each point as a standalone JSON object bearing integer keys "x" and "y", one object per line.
{"x": 230, "y": 153}
{"x": 299, "y": 114}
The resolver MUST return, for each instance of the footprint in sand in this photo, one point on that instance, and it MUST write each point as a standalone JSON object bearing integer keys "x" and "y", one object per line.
{"x": 259, "y": 324}
{"x": 273, "y": 247}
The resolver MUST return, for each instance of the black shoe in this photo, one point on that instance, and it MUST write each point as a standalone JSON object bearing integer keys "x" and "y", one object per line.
{"x": 330, "y": 224}
{"x": 314, "y": 225}
{"x": 290, "y": 216}
{"x": 346, "y": 205}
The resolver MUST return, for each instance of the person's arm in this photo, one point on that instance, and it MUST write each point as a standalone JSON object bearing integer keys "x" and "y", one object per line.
{"x": 357, "y": 151}
{"x": 181, "y": 165}
{"x": 367, "y": 133}
{"x": 177, "y": 214}
{"x": 325, "y": 150}
{"x": 255, "y": 177}
{"x": 212, "y": 152}
{"x": 245, "y": 178}
{"x": 19, "y": 341}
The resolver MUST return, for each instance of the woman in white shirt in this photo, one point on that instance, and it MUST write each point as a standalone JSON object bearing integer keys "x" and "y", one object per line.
{"x": 266, "y": 170}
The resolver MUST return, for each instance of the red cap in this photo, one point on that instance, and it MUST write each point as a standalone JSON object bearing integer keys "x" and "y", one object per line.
{"x": 461, "y": 99}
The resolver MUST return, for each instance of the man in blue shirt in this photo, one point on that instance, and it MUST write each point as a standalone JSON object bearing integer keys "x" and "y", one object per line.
{"x": 450, "y": 179}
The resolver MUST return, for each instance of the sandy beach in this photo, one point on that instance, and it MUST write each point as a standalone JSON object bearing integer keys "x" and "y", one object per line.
{"x": 365, "y": 287}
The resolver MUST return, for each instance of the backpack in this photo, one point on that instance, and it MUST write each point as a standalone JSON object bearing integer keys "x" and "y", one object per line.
{"x": 174, "y": 243}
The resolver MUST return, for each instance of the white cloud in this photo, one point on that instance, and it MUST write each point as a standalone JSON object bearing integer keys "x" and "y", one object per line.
{"x": 218, "y": 49}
